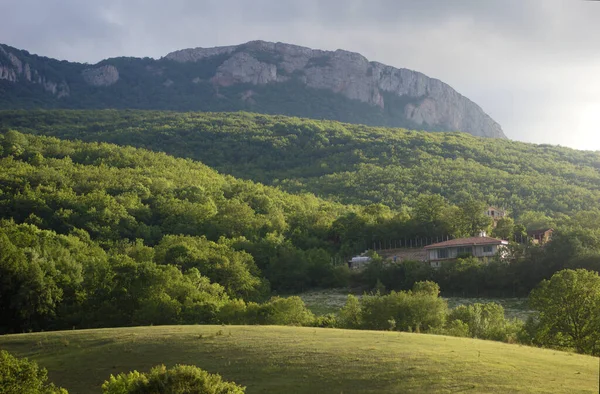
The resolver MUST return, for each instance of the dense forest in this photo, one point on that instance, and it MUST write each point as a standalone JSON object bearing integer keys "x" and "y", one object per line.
{"x": 352, "y": 164}
{"x": 93, "y": 235}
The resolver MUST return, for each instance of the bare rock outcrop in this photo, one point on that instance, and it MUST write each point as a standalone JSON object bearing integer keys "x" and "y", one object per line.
{"x": 434, "y": 103}
{"x": 101, "y": 76}
{"x": 15, "y": 69}
{"x": 193, "y": 55}
{"x": 242, "y": 67}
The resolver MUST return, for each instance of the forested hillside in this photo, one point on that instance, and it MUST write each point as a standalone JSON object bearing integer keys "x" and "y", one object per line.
{"x": 97, "y": 235}
{"x": 348, "y": 163}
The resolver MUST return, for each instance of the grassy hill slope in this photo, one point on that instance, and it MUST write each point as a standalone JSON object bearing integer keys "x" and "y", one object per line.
{"x": 349, "y": 163}
{"x": 308, "y": 360}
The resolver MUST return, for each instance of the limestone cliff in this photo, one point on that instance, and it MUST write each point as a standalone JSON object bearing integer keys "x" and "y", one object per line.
{"x": 101, "y": 76}
{"x": 258, "y": 76}
{"x": 14, "y": 69}
{"x": 435, "y": 104}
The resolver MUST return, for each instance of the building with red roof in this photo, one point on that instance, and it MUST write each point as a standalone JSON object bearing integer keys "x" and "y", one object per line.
{"x": 481, "y": 247}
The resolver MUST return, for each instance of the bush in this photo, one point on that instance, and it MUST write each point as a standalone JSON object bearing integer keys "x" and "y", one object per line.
{"x": 350, "y": 316}
{"x": 485, "y": 321}
{"x": 21, "y": 376}
{"x": 418, "y": 310}
{"x": 290, "y": 311}
{"x": 181, "y": 379}
{"x": 325, "y": 321}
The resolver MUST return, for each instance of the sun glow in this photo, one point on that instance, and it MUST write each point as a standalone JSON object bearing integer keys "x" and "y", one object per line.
{"x": 588, "y": 133}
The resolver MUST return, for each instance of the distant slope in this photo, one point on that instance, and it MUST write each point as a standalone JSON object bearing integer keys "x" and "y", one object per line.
{"x": 259, "y": 76}
{"x": 309, "y": 360}
{"x": 349, "y": 163}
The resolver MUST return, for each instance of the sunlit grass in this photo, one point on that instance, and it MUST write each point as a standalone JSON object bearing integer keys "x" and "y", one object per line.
{"x": 308, "y": 360}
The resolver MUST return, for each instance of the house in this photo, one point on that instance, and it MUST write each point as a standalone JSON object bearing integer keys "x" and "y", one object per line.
{"x": 496, "y": 214}
{"x": 541, "y": 236}
{"x": 481, "y": 247}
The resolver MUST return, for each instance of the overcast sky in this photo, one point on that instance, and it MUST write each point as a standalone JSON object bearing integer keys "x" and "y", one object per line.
{"x": 533, "y": 65}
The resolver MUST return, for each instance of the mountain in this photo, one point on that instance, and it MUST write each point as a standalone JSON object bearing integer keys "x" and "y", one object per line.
{"x": 258, "y": 76}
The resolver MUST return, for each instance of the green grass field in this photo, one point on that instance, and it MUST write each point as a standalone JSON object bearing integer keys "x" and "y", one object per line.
{"x": 308, "y": 360}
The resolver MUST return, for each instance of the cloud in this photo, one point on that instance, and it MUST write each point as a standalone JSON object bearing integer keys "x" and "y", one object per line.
{"x": 530, "y": 64}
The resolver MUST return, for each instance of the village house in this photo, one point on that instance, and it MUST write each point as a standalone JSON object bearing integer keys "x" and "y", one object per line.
{"x": 541, "y": 236}
{"x": 496, "y": 214}
{"x": 480, "y": 247}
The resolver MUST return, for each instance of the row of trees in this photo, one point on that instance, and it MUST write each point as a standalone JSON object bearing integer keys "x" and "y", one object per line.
{"x": 51, "y": 281}
{"x": 568, "y": 317}
{"x": 567, "y": 314}
{"x": 422, "y": 310}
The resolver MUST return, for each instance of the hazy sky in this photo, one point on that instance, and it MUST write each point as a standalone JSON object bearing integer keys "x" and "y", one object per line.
{"x": 533, "y": 65}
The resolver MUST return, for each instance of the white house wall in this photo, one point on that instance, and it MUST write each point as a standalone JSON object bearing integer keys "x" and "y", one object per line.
{"x": 478, "y": 251}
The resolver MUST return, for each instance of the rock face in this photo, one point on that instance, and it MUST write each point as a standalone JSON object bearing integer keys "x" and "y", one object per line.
{"x": 435, "y": 104}
{"x": 101, "y": 76}
{"x": 14, "y": 69}
{"x": 259, "y": 76}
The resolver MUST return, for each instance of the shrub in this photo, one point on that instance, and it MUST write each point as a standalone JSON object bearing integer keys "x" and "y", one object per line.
{"x": 350, "y": 316}
{"x": 325, "y": 321}
{"x": 21, "y": 376}
{"x": 289, "y": 311}
{"x": 418, "y": 310}
{"x": 410, "y": 311}
{"x": 486, "y": 321}
{"x": 181, "y": 379}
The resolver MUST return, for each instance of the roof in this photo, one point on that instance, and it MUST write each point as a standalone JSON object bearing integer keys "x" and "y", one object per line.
{"x": 471, "y": 241}
{"x": 539, "y": 232}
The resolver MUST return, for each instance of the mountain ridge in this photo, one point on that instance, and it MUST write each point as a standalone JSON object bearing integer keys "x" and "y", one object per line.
{"x": 259, "y": 76}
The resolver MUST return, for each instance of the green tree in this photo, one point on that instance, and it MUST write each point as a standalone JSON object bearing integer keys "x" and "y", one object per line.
{"x": 472, "y": 217}
{"x": 350, "y": 315}
{"x": 485, "y": 321}
{"x": 569, "y": 310}
{"x": 181, "y": 379}
{"x": 535, "y": 220}
{"x": 21, "y": 376}
{"x": 427, "y": 287}
{"x": 504, "y": 229}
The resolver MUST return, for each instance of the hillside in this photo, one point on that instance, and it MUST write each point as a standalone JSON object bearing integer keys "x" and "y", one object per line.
{"x": 308, "y": 360}
{"x": 344, "y": 162}
{"x": 257, "y": 76}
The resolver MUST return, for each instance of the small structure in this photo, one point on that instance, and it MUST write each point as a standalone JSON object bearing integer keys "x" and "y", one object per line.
{"x": 541, "y": 236}
{"x": 496, "y": 214}
{"x": 358, "y": 262}
{"x": 480, "y": 247}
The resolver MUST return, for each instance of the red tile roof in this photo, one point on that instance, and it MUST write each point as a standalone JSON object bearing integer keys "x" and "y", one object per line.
{"x": 467, "y": 242}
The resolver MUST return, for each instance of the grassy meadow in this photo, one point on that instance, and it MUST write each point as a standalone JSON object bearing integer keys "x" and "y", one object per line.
{"x": 272, "y": 359}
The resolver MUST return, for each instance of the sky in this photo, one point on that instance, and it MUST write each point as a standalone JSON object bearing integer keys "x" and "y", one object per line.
{"x": 532, "y": 65}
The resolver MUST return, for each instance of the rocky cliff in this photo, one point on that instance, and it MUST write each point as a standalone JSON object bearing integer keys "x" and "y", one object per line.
{"x": 352, "y": 75}
{"x": 14, "y": 69}
{"x": 257, "y": 76}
